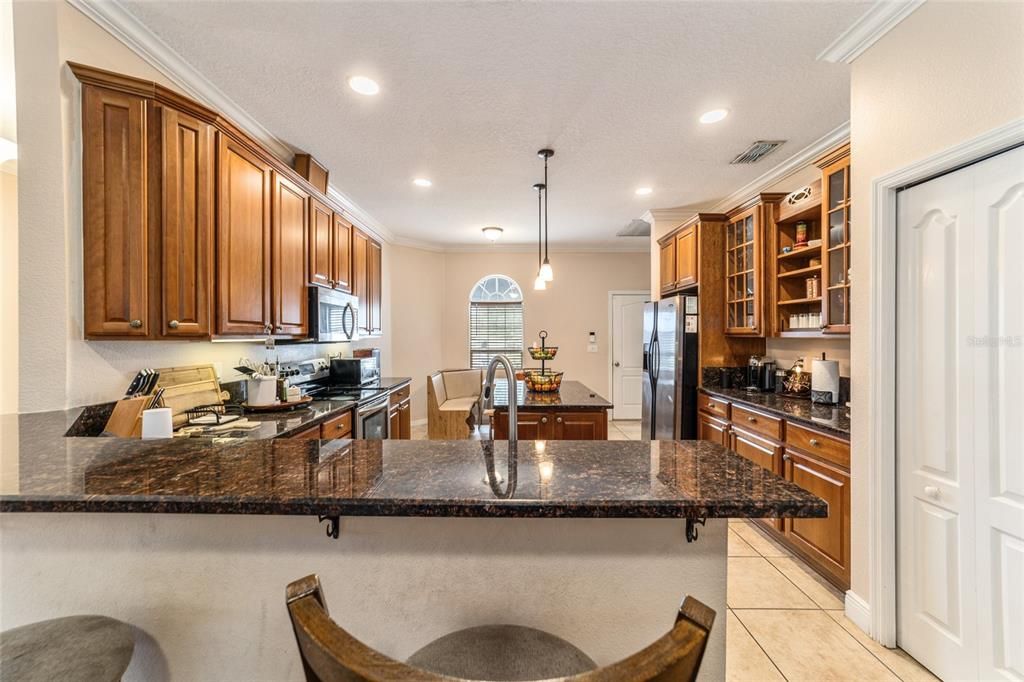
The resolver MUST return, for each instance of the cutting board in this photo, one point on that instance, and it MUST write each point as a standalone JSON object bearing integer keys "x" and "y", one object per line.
{"x": 189, "y": 387}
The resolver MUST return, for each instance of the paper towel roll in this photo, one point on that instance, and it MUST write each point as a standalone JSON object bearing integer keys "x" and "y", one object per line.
{"x": 825, "y": 382}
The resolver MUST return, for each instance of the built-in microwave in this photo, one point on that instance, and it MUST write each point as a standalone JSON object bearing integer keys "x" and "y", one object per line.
{"x": 333, "y": 316}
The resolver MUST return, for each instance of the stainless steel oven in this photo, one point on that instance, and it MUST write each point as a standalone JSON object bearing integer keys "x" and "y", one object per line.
{"x": 372, "y": 419}
{"x": 333, "y": 316}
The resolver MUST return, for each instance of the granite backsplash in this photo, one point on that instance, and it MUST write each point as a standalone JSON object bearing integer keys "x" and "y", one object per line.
{"x": 712, "y": 377}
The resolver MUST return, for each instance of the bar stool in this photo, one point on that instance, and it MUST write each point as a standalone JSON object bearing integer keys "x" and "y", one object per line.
{"x": 490, "y": 652}
{"x": 70, "y": 649}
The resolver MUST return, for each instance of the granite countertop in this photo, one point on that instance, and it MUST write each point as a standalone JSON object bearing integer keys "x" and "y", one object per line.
{"x": 669, "y": 479}
{"x": 572, "y": 395}
{"x": 831, "y": 419}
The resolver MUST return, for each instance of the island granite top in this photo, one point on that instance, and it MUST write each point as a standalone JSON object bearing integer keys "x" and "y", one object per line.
{"x": 828, "y": 418}
{"x": 572, "y": 395}
{"x": 44, "y": 473}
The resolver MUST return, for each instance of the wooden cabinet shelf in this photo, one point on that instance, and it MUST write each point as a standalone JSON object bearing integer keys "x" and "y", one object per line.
{"x": 810, "y": 270}
{"x": 799, "y": 301}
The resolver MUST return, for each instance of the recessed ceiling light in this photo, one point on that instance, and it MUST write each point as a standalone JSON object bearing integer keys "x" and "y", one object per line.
{"x": 643, "y": 191}
{"x": 363, "y": 85}
{"x": 713, "y": 116}
{"x": 422, "y": 182}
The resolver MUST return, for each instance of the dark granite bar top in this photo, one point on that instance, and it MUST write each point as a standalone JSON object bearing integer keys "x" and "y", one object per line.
{"x": 831, "y": 419}
{"x": 45, "y": 472}
{"x": 572, "y": 395}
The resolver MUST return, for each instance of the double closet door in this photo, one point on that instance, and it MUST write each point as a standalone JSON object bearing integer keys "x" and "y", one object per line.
{"x": 960, "y": 429}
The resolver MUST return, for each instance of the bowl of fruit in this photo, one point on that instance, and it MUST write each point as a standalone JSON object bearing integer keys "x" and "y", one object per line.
{"x": 543, "y": 381}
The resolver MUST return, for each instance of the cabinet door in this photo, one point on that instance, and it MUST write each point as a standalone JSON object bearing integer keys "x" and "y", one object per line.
{"x": 243, "y": 240}
{"x": 761, "y": 452}
{"x": 290, "y": 227}
{"x": 395, "y": 423}
{"x": 186, "y": 225}
{"x": 711, "y": 429}
{"x": 667, "y": 269}
{"x": 321, "y": 225}
{"x": 406, "y": 419}
{"x": 312, "y": 433}
{"x": 743, "y": 273}
{"x": 580, "y": 425}
{"x": 532, "y": 425}
{"x": 360, "y": 264}
{"x": 686, "y": 257}
{"x": 825, "y": 542}
{"x": 115, "y": 230}
{"x": 835, "y": 209}
{"x": 341, "y": 251}
{"x": 373, "y": 284}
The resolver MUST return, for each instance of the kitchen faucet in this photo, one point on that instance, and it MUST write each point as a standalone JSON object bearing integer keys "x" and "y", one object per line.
{"x": 513, "y": 421}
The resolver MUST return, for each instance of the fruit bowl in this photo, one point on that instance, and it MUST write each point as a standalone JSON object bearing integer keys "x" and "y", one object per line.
{"x": 547, "y": 353}
{"x": 546, "y": 381}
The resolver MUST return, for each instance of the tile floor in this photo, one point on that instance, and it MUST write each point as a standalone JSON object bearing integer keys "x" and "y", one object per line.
{"x": 783, "y": 621}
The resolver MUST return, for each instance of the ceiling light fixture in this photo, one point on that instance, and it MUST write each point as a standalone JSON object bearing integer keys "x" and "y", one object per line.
{"x": 363, "y": 85}
{"x": 493, "y": 233}
{"x": 713, "y": 116}
{"x": 545, "y": 269}
{"x": 422, "y": 182}
{"x": 643, "y": 191}
{"x": 539, "y": 284}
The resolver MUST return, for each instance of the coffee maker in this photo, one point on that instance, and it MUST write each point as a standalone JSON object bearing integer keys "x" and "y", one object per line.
{"x": 760, "y": 374}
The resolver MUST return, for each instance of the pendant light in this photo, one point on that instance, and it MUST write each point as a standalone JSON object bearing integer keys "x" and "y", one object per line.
{"x": 539, "y": 284}
{"x": 545, "y": 269}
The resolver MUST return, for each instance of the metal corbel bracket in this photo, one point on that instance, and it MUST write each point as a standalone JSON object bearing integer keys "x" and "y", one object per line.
{"x": 691, "y": 528}
{"x": 334, "y": 525}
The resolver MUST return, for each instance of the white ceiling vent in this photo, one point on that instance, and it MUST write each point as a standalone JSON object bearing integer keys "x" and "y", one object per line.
{"x": 757, "y": 151}
{"x": 637, "y": 228}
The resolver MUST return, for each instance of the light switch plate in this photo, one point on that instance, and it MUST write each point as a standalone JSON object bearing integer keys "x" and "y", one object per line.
{"x": 591, "y": 347}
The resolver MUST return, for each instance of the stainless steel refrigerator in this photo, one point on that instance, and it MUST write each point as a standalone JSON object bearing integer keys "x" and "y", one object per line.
{"x": 670, "y": 369}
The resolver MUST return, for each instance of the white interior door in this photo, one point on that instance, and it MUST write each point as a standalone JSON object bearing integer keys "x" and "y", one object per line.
{"x": 627, "y": 354}
{"x": 960, "y": 368}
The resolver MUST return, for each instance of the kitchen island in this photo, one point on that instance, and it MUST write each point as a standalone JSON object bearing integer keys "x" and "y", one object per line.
{"x": 574, "y": 412}
{"x": 192, "y": 542}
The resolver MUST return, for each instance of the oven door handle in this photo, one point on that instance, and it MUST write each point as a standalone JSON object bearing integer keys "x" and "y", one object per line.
{"x": 374, "y": 407}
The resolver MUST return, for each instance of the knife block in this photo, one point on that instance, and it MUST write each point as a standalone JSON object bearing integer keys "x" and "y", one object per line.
{"x": 126, "y": 419}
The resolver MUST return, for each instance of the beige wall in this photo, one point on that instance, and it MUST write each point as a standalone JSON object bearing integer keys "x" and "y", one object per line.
{"x": 947, "y": 73}
{"x": 8, "y": 292}
{"x": 573, "y": 305}
{"x": 66, "y": 369}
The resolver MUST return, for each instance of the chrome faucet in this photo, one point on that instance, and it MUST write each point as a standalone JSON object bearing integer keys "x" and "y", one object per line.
{"x": 513, "y": 399}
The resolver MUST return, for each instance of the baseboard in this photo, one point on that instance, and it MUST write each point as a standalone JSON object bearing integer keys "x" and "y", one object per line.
{"x": 859, "y": 611}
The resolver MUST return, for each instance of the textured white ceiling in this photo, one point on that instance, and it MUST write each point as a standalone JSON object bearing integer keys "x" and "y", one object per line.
{"x": 470, "y": 91}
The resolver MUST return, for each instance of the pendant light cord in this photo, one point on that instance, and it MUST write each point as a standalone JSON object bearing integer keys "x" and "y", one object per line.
{"x": 539, "y": 232}
{"x": 545, "y": 208}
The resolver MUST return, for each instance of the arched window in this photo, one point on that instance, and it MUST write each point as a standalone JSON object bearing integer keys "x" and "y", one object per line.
{"x": 495, "y": 321}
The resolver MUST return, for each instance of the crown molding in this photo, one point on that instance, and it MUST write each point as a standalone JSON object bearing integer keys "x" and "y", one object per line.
{"x": 111, "y": 16}
{"x": 805, "y": 156}
{"x": 881, "y": 18}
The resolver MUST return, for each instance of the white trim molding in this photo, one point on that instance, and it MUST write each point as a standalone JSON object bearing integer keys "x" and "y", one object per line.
{"x": 111, "y": 16}
{"x": 858, "y": 610}
{"x": 881, "y": 407}
{"x": 881, "y": 18}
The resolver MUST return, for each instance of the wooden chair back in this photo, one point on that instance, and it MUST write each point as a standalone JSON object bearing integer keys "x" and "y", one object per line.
{"x": 330, "y": 654}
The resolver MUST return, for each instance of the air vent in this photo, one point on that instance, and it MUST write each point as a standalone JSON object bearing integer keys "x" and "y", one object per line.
{"x": 637, "y": 228}
{"x": 758, "y": 151}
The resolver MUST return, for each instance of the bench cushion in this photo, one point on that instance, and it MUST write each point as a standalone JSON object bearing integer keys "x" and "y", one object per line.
{"x": 71, "y": 649}
{"x": 463, "y": 383}
{"x": 458, "y": 404}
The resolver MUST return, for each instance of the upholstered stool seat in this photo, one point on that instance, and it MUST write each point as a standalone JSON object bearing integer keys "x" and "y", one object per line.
{"x": 71, "y": 649}
{"x": 502, "y": 652}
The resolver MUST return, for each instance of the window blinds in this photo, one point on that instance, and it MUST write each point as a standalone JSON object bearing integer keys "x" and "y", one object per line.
{"x": 495, "y": 329}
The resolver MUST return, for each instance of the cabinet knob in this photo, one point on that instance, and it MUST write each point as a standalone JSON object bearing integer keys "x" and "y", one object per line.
{"x": 543, "y": 420}
{"x": 135, "y": 324}
{"x": 331, "y": 282}
{"x": 751, "y": 419}
{"x": 173, "y": 324}
{"x": 815, "y": 442}
{"x": 785, "y": 457}
{"x": 712, "y": 406}
{"x": 267, "y": 328}
{"x": 279, "y": 328}
{"x": 559, "y": 420}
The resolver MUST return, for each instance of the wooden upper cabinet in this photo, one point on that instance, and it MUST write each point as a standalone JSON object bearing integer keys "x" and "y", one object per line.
{"x": 667, "y": 267}
{"x": 835, "y": 222}
{"x": 373, "y": 276}
{"x": 341, "y": 254}
{"x": 186, "y": 176}
{"x": 243, "y": 240}
{"x": 321, "y": 225}
{"x": 745, "y": 296}
{"x": 289, "y": 226}
{"x": 686, "y": 257}
{"x": 115, "y": 228}
{"x": 360, "y": 269}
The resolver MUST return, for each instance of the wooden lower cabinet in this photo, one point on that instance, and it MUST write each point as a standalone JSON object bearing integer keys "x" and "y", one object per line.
{"x": 823, "y": 542}
{"x": 554, "y": 425}
{"x": 337, "y": 427}
{"x": 712, "y": 429}
{"x": 400, "y": 414}
{"x": 312, "y": 433}
{"x": 817, "y": 462}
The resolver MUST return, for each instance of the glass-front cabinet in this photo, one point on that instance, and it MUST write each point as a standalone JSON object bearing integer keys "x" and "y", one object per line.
{"x": 744, "y": 265}
{"x": 835, "y": 216}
